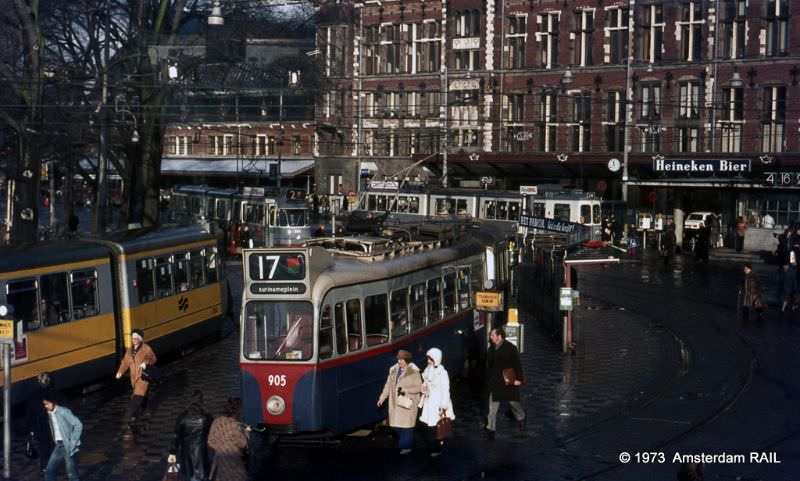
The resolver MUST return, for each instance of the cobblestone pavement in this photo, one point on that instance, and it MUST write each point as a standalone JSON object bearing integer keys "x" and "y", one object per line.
{"x": 662, "y": 364}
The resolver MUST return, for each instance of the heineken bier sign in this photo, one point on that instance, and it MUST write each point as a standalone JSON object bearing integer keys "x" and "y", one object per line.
{"x": 701, "y": 166}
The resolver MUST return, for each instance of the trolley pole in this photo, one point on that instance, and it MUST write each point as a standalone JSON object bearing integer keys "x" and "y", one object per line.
{"x": 6, "y": 410}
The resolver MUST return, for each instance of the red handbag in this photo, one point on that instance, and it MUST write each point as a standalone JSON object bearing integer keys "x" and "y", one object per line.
{"x": 444, "y": 428}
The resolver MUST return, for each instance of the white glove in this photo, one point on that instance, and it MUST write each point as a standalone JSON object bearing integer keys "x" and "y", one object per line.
{"x": 143, "y": 365}
{"x": 119, "y": 375}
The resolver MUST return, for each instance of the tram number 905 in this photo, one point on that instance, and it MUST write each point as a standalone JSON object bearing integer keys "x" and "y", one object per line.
{"x": 276, "y": 379}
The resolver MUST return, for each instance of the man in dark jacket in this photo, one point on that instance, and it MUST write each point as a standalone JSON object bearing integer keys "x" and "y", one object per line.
{"x": 750, "y": 294}
{"x": 668, "y": 241}
{"x": 191, "y": 439}
{"x": 504, "y": 376}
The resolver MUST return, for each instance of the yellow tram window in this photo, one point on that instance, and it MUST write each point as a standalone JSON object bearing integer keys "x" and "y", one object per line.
{"x": 376, "y": 320}
{"x": 22, "y": 295}
{"x": 54, "y": 301}
{"x": 196, "y": 262}
{"x": 84, "y": 293}
{"x": 399, "y": 313}
{"x": 181, "y": 273}
{"x": 164, "y": 277}
{"x": 212, "y": 276}
{"x": 144, "y": 280}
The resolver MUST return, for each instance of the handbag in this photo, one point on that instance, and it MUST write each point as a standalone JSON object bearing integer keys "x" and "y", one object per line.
{"x": 444, "y": 428}
{"x": 509, "y": 375}
{"x": 30, "y": 448}
{"x": 150, "y": 373}
{"x": 403, "y": 401}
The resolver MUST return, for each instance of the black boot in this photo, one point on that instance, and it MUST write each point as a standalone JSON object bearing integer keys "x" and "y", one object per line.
{"x": 523, "y": 425}
{"x": 489, "y": 434}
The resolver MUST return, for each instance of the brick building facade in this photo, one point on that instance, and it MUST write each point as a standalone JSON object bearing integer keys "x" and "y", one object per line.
{"x": 530, "y": 91}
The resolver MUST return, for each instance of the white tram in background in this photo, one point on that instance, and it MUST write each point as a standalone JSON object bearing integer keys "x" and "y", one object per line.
{"x": 321, "y": 324}
{"x": 498, "y": 207}
{"x": 273, "y": 218}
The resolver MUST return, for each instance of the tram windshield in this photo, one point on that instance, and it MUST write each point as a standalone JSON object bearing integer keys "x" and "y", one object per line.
{"x": 278, "y": 331}
{"x": 292, "y": 217}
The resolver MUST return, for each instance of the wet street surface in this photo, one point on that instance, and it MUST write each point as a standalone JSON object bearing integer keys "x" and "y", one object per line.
{"x": 662, "y": 367}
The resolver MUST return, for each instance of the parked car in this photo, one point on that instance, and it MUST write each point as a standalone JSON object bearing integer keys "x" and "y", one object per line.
{"x": 695, "y": 220}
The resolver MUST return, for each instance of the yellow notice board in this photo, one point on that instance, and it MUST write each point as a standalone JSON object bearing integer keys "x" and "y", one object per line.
{"x": 489, "y": 301}
{"x": 7, "y": 330}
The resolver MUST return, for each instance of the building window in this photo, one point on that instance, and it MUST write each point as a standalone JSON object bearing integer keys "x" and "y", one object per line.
{"x": 370, "y": 54}
{"x": 777, "y": 18}
{"x": 688, "y": 139}
{"x": 650, "y": 118}
{"x": 653, "y": 33}
{"x": 547, "y": 37}
{"x": 514, "y": 115}
{"x": 261, "y": 145}
{"x": 179, "y": 145}
{"x": 413, "y": 103}
{"x": 296, "y": 145}
{"x": 548, "y": 108}
{"x": 618, "y": 35}
{"x": 583, "y": 37}
{"x": 215, "y": 145}
{"x": 369, "y": 143}
{"x": 468, "y": 24}
{"x": 615, "y": 122}
{"x": 427, "y": 46}
{"x": 731, "y": 125}
{"x": 773, "y": 119}
{"x": 271, "y": 145}
{"x": 732, "y": 29}
{"x": 515, "y": 41}
{"x": 689, "y": 101}
{"x": 467, "y": 59}
{"x": 691, "y": 28}
{"x": 581, "y": 122}
{"x": 651, "y": 101}
{"x": 390, "y": 49}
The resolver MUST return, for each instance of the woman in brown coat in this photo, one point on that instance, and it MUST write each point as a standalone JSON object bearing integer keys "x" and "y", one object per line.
{"x": 403, "y": 383}
{"x": 228, "y": 438}
{"x": 750, "y": 294}
{"x": 136, "y": 358}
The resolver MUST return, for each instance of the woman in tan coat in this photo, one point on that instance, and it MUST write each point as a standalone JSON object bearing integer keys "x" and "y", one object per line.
{"x": 136, "y": 358}
{"x": 228, "y": 438}
{"x": 403, "y": 384}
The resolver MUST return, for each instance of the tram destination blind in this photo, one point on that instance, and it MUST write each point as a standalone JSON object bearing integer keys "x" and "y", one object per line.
{"x": 277, "y": 266}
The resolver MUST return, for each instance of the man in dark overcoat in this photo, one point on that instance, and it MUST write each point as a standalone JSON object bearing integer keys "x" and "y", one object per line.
{"x": 668, "y": 242}
{"x": 750, "y": 293}
{"x": 501, "y": 361}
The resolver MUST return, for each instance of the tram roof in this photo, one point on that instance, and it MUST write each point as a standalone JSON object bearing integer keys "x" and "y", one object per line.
{"x": 48, "y": 253}
{"x": 140, "y": 240}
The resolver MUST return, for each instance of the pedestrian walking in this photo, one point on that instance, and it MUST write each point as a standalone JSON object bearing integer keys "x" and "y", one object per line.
{"x": 668, "y": 241}
{"x": 783, "y": 252}
{"x": 436, "y": 402}
{"x": 38, "y": 421}
{"x": 606, "y": 226}
{"x": 228, "y": 438}
{"x": 191, "y": 439}
{"x": 136, "y": 359}
{"x": 66, "y": 429}
{"x": 633, "y": 241}
{"x": 702, "y": 244}
{"x": 504, "y": 377}
{"x": 788, "y": 288}
{"x": 741, "y": 230}
{"x": 403, "y": 388}
{"x": 173, "y": 472}
{"x": 750, "y": 294}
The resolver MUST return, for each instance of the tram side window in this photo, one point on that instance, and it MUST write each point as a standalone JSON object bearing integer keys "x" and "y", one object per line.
{"x": 444, "y": 206}
{"x": 222, "y": 209}
{"x": 463, "y": 289}
{"x": 596, "y": 214}
{"x": 399, "y": 312}
{"x": 195, "y": 206}
{"x": 513, "y": 211}
{"x": 325, "y": 333}
{"x": 434, "y": 300}
{"x": 461, "y": 207}
{"x": 84, "y": 293}
{"x": 372, "y": 202}
{"x": 561, "y": 212}
{"x": 341, "y": 329}
{"x": 491, "y": 210}
{"x": 212, "y": 275}
{"x": 586, "y": 214}
{"x": 196, "y": 269}
{"x": 418, "y": 306}
{"x": 144, "y": 280}
{"x": 354, "y": 331}
{"x": 181, "y": 273}
{"x": 538, "y": 209}
{"x": 450, "y": 305}
{"x": 278, "y": 330}
{"x": 164, "y": 277}
{"x": 376, "y": 320}
{"x": 22, "y": 296}
{"x": 502, "y": 210}
{"x": 54, "y": 300}
{"x": 402, "y": 204}
{"x": 381, "y": 203}
{"x": 413, "y": 205}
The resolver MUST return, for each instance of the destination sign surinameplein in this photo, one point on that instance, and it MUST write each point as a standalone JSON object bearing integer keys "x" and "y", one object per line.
{"x": 277, "y": 288}
{"x": 701, "y": 166}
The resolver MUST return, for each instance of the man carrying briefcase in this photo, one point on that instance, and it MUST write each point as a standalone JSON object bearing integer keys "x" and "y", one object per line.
{"x": 504, "y": 376}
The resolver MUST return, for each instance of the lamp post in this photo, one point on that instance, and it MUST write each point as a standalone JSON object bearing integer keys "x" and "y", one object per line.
{"x": 628, "y": 103}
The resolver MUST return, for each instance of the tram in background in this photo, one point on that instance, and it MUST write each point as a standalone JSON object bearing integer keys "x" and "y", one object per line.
{"x": 273, "y": 218}
{"x": 570, "y": 206}
{"x": 79, "y": 300}
{"x": 321, "y": 324}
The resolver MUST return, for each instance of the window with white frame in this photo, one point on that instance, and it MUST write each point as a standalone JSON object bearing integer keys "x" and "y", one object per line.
{"x": 691, "y": 28}
{"x": 467, "y": 23}
{"x": 413, "y": 103}
{"x": 617, "y": 28}
{"x": 688, "y": 139}
{"x": 584, "y": 20}
{"x": 777, "y": 18}
{"x": 652, "y": 32}
{"x": 261, "y": 144}
{"x": 547, "y": 37}
{"x": 370, "y": 54}
{"x": 271, "y": 144}
{"x": 427, "y": 46}
{"x": 215, "y": 145}
{"x": 731, "y": 123}
{"x": 297, "y": 145}
{"x": 469, "y": 59}
{"x": 369, "y": 104}
{"x": 179, "y": 145}
{"x": 733, "y": 35}
{"x": 369, "y": 142}
{"x": 650, "y": 118}
{"x": 516, "y": 36}
{"x": 390, "y": 49}
{"x": 773, "y": 119}
{"x": 581, "y": 122}
{"x": 689, "y": 100}
{"x": 514, "y": 115}
{"x": 651, "y": 101}
{"x": 548, "y": 118}
{"x": 615, "y": 121}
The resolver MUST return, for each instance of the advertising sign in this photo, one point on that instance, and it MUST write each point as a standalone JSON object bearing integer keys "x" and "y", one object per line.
{"x": 701, "y": 166}
{"x": 551, "y": 225}
{"x": 489, "y": 301}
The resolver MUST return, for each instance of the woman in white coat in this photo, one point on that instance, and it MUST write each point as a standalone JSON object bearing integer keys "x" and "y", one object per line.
{"x": 436, "y": 401}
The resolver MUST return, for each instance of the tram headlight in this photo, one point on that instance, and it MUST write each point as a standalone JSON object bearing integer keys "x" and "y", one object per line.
{"x": 276, "y": 405}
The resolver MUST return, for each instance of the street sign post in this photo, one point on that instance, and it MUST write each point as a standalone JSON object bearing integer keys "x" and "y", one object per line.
{"x": 7, "y": 344}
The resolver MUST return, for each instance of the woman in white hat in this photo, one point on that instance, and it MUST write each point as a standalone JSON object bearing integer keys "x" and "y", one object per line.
{"x": 136, "y": 358}
{"x": 436, "y": 401}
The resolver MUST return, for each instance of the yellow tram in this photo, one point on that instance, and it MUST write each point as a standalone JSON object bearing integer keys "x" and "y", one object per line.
{"x": 78, "y": 300}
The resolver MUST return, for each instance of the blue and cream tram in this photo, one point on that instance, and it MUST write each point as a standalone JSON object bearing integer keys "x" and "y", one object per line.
{"x": 79, "y": 300}
{"x": 569, "y": 206}
{"x": 321, "y": 324}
